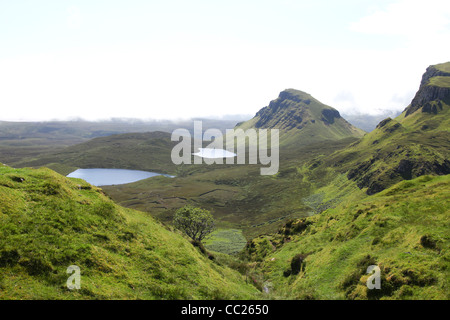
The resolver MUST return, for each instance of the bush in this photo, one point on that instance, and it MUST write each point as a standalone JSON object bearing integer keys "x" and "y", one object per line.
{"x": 195, "y": 222}
{"x": 297, "y": 263}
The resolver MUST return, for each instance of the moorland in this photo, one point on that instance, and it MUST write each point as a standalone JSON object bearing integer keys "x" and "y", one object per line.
{"x": 342, "y": 200}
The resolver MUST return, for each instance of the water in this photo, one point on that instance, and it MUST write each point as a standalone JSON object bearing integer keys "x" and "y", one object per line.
{"x": 107, "y": 177}
{"x": 214, "y": 153}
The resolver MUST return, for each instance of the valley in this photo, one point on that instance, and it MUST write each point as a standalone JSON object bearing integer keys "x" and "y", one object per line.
{"x": 341, "y": 201}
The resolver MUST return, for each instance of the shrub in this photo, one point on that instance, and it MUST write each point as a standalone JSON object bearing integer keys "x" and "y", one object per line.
{"x": 195, "y": 222}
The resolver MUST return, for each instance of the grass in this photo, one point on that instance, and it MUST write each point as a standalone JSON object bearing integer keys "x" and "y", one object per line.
{"x": 440, "y": 82}
{"x": 340, "y": 205}
{"x": 237, "y": 195}
{"x": 403, "y": 230}
{"x": 443, "y": 66}
{"x": 228, "y": 241}
{"x": 48, "y": 222}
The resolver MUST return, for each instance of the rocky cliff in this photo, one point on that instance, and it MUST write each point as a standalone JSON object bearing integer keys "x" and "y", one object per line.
{"x": 433, "y": 90}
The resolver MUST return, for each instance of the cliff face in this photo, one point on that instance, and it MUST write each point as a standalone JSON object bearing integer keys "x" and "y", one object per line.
{"x": 431, "y": 93}
{"x": 287, "y": 112}
{"x": 408, "y": 146}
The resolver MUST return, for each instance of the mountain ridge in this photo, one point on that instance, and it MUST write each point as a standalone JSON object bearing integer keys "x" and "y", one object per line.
{"x": 301, "y": 119}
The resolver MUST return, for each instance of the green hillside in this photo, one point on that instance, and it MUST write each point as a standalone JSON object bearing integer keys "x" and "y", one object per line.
{"x": 383, "y": 200}
{"x": 49, "y": 222}
{"x": 403, "y": 230}
{"x": 415, "y": 143}
{"x": 339, "y": 203}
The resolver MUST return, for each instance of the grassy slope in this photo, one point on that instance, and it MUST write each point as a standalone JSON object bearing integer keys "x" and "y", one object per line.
{"x": 440, "y": 82}
{"x": 48, "y": 222}
{"x": 443, "y": 66}
{"x": 403, "y": 230}
{"x": 237, "y": 195}
{"x": 374, "y": 161}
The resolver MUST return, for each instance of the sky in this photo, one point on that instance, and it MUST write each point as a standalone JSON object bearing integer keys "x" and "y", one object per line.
{"x": 172, "y": 59}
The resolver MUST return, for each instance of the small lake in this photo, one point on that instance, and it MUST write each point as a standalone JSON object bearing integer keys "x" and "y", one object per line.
{"x": 107, "y": 177}
{"x": 214, "y": 153}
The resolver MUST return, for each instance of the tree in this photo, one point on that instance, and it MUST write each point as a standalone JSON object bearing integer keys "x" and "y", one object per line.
{"x": 197, "y": 223}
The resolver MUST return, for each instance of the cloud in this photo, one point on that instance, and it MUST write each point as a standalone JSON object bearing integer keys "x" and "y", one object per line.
{"x": 409, "y": 18}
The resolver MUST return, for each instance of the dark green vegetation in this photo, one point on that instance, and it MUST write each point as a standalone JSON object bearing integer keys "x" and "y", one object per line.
{"x": 49, "y": 222}
{"x": 197, "y": 223}
{"x": 339, "y": 204}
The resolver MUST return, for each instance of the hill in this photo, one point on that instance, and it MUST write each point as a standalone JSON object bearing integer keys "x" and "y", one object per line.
{"x": 415, "y": 143}
{"x": 49, "y": 222}
{"x": 25, "y": 140}
{"x": 381, "y": 201}
{"x": 301, "y": 120}
{"x": 403, "y": 230}
{"x": 369, "y": 122}
{"x": 148, "y": 151}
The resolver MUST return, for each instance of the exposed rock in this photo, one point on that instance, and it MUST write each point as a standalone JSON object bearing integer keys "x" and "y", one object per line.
{"x": 329, "y": 115}
{"x": 405, "y": 169}
{"x": 383, "y": 123}
{"x": 428, "y": 93}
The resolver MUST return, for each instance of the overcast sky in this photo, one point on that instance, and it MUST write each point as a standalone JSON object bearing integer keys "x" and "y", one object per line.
{"x": 176, "y": 59}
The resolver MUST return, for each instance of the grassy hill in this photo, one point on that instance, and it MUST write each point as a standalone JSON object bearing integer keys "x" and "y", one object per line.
{"x": 301, "y": 120}
{"x": 148, "y": 151}
{"x": 32, "y": 140}
{"x": 49, "y": 222}
{"x": 415, "y": 143}
{"x": 338, "y": 204}
{"x": 382, "y": 200}
{"x": 403, "y": 230}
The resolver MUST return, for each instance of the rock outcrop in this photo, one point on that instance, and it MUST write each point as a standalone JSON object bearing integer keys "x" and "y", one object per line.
{"x": 429, "y": 96}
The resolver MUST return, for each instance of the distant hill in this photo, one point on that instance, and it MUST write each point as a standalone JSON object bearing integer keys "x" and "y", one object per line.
{"x": 148, "y": 151}
{"x": 301, "y": 120}
{"x": 21, "y": 141}
{"x": 73, "y": 132}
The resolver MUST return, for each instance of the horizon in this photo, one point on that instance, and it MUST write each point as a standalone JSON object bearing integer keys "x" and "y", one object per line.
{"x": 149, "y": 60}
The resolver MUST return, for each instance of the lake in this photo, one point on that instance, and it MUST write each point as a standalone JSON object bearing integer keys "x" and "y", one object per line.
{"x": 214, "y": 153}
{"x": 107, "y": 177}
